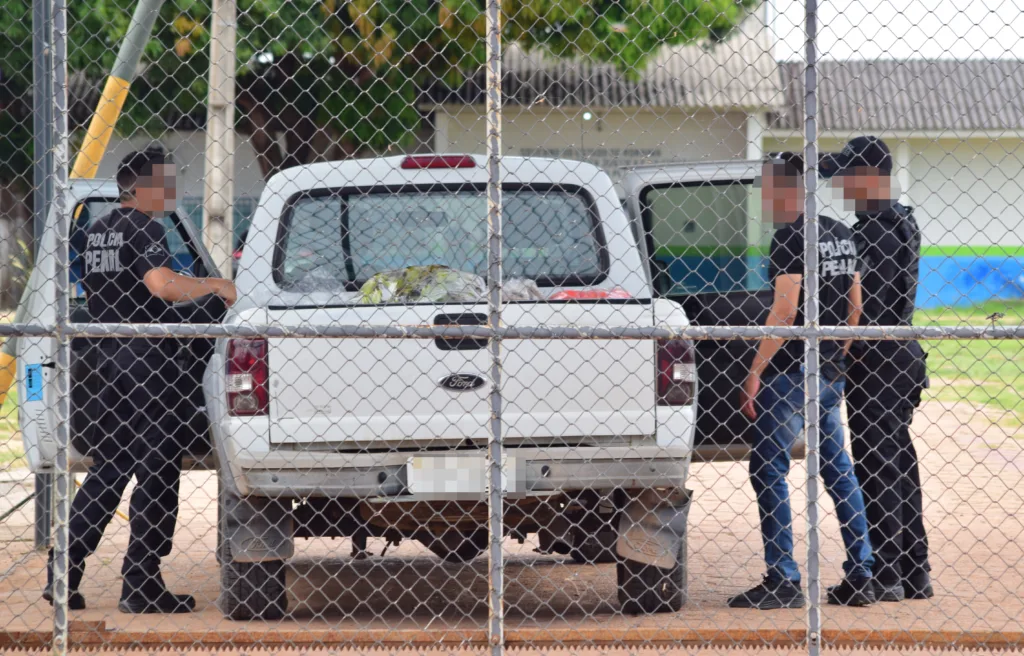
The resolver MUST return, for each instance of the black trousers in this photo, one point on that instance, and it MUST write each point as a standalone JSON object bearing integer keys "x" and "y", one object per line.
{"x": 136, "y": 438}
{"x": 884, "y": 384}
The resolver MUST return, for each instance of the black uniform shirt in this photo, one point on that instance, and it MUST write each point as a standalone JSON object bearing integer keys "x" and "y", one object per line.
{"x": 121, "y": 248}
{"x": 837, "y": 262}
{"x": 889, "y": 245}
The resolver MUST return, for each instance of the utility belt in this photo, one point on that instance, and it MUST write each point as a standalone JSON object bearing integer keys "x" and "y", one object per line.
{"x": 887, "y": 351}
{"x": 902, "y": 364}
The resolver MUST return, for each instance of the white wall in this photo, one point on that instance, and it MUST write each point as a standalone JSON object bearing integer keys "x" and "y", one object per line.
{"x": 613, "y": 137}
{"x": 970, "y": 193}
{"x": 965, "y": 192}
{"x": 187, "y": 149}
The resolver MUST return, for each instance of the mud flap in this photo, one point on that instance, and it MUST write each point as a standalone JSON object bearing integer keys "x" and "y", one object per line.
{"x": 652, "y": 527}
{"x": 257, "y": 528}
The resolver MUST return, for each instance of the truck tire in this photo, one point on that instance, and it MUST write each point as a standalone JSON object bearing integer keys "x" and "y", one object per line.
{"x": 455, "y": 546}
{"x": 646, "y": 589}
{"x": 253, "y": 591}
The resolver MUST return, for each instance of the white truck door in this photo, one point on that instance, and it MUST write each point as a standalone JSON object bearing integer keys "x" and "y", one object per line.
{"x": 37, "y": 356}
{"x": 700, "y": 225}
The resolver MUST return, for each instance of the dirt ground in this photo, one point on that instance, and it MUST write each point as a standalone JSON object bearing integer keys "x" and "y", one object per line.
{"x": 973, "y": 474}
{"x": 533, "y": 651}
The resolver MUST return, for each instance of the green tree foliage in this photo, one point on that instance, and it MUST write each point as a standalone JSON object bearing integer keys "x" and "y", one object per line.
{"x": 335, "y": 77}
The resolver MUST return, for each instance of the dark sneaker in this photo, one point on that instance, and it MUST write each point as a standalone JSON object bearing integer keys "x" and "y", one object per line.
{"x": 852, "y": 591}
{"x": 165, "y": 602}
{"x": 771, "y": 594}
{"x": 75, "y": 599}
{"x": 918, "y": 585}
{"x": 885, "y": 591}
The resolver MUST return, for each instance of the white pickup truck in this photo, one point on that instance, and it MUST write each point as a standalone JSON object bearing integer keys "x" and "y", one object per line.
{"x": 357, "y": 437}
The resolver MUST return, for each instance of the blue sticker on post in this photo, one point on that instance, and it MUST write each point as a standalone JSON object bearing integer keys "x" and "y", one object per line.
{"x": 33, "y": 382}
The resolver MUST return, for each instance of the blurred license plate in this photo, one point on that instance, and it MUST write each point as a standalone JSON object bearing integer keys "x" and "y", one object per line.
{"x": 452, "y": 477}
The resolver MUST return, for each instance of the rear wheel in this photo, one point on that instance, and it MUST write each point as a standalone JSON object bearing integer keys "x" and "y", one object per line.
{"x": 646, "y": 589}
{"x": 456, "y": 546}
{"x": 248, "y": 591}
{"x": 253, "y": 591}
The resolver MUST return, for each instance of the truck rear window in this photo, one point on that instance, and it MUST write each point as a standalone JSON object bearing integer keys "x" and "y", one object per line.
{"x": 333, "y": 241}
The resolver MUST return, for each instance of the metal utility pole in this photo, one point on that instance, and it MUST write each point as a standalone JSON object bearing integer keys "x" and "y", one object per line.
{"x": 115, "y": 91}
{"x": 219, "y": 190}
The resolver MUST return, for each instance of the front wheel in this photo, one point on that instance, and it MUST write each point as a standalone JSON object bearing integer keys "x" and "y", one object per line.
{"x": 646, "y": 589}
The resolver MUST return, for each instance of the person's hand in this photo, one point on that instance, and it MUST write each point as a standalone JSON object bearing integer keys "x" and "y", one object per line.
{"x": 748, "y": 393}
{"x": 227, "y": 292}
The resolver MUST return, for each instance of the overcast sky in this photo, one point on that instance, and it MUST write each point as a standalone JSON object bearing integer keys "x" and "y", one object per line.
{"x": 903, "y": 29}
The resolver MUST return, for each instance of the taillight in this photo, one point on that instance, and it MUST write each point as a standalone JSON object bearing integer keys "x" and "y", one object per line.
{"x": 247, "y": 376}
{"x": 677, "y": 372}
{"x": 438, "y": 162}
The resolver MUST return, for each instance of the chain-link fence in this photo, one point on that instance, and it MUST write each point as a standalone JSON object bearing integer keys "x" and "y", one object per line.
{"x": 474, "y": 325}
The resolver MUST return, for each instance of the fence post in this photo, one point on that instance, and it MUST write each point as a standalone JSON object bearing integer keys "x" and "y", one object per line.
{"x": 219, "y": 189}
{"x": 62, "y": 475}
{"x": 812, "y": 379}
{"x": 495, "y": 624}
{"x": 42, "y": 196}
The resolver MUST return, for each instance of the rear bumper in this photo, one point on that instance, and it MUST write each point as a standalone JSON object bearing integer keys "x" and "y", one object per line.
{"x": 457, "y": 475}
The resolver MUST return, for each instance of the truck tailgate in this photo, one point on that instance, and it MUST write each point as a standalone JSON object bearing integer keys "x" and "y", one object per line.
{"x": 390, "y": 393}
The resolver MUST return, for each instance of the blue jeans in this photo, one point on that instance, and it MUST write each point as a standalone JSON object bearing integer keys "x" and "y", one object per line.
{"x": 780, "y": 418}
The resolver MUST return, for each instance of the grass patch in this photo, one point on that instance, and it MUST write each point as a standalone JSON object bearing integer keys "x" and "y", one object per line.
{"x": 981, "y": 372}
{"x": 12, "y": 453}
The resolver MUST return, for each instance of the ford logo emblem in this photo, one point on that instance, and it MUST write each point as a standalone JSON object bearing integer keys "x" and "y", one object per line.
{"x": 461, "y": 382}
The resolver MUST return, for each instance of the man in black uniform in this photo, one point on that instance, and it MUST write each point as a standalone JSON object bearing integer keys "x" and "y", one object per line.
{"x": 128, "y": 279}
{"x": 886, "y": 377}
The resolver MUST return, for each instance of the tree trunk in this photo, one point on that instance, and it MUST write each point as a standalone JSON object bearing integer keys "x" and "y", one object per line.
{"x": 15, "y": 232}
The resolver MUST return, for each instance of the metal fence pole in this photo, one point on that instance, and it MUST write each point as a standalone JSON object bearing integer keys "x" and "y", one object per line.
{"x": 42, "y": 114}
{"x": 813, "y": 408}
{"x": 495, "y": 624}
{"x": 62, "y": 478}
{"x": 43, "y": 503}
{"x": 42, "y": 195}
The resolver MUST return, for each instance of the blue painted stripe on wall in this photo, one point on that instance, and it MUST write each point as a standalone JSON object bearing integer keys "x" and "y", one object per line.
{"x": 965, "y": 280}
{"x": 945, "y": 280}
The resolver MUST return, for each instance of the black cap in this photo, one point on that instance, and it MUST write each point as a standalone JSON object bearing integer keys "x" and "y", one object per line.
{"x": 862, "y": 151}
{"x": 792, "y": 163}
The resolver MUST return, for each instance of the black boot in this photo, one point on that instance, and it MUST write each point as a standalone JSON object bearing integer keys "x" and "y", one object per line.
{"x": 75, "y": 599}
{"x": 918, "y": 585}
{"x": 888, "y": 581}
{"x": 146, "y": 593}
{"x": 854, "y": 590}
{"x": 889, "y": 591}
